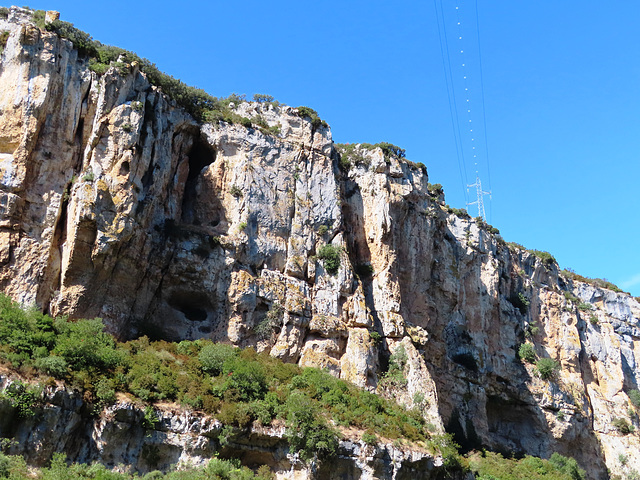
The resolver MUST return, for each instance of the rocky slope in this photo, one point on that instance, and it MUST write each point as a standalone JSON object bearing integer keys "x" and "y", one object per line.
{"x": 116, "y": 203}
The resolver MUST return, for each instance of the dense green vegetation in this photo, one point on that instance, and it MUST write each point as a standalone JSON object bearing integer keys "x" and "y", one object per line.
{"x": 15, "y": 468}
{"x": 311, "y": 114}
{"x": 493, "y": 466}
{"x": 527, "y": 353}
{"x": 330, "y": 255}
{"x": 547, "y": 368}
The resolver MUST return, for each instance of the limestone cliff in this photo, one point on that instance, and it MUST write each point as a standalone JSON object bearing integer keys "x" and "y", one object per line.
{"x": 116, "y": 203}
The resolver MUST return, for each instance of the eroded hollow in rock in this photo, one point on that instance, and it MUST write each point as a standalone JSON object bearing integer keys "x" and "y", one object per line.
{"x": 193, "y": 305}
{"x": 200, "y": 156}
{"x": 513, "y": 427}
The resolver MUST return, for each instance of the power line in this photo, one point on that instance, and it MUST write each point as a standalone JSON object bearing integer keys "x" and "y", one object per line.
{"x": 453, "y": 107}
{"x": 465, "y": 70}
{"x": 484, "y": 112}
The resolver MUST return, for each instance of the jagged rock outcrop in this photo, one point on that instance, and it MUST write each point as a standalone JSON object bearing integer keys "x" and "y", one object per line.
{"x": 117, "y": 204}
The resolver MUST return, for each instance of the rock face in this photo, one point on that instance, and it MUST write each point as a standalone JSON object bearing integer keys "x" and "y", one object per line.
{"x": 115, "y": 203}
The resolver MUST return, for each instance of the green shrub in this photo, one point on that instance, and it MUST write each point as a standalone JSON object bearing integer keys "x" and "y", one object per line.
{"x": 527, "y": 353}
{"x": 82, "y": 41}
{"x": 369, "y": 437}
{"x": 24, "y": 398}
{"x": 331, "y": 257}
{"x": 259, "y": 121}
{"x": 150, "y": 418}
{"x": 567, "y": 465}
{"x": 531, "y": 330}
{"x": 97, "y": 67}
{"x": 593, "y": 320}
{"x": 585, "y": 306}
{"x": 547, "y": 368}
{"x": 394, "y": 376}
{"x": 622, "y": 425}
{"x": 570, "y": 297}
{"x": 240, "y": 386}
{"x": 84, "y": 344}
{"x": 364, "y": 270}
{"x": 213, "y": 356}
{"x": 484, "y": 225}
{"x": 244, "y": 380}
{"x": 53, "y": 365}
{"x": 261, "y": 98}
{"x": 448, "y": 449}
{"x": 4, "y": 12}
{"x": 435, "y": 189}
{"x": 4, "y": 36}
{"x": 634, "y": 397}
{"x": 307, "y": 432}
{"x": 311, "y": 114}
{"x": 242, "y": 226}
{"x": 492, "y": 466}
{"x": 322, "y": 230}
{"x": 389, "y": 149}
{"x": 273, "y": 130}
{"x": 271, "y": 322}
{"x": 458, "y": 212}
{"x": 235, "y": 191}
{"x": 546, "y": 257}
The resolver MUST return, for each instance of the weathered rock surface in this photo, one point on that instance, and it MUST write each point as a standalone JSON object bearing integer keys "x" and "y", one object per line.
{"x": 115, "y": 203}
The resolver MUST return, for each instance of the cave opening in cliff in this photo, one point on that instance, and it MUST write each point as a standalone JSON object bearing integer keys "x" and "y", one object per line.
{"x": 194, "y": 306}
{"x": 199, "y": 157}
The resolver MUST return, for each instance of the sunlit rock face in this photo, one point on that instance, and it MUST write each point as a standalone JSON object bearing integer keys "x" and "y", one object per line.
{"x": 115, "y": 203}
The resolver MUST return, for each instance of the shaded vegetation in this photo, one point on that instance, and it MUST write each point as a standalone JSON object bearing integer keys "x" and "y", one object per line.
{"x": 520, "y": 301}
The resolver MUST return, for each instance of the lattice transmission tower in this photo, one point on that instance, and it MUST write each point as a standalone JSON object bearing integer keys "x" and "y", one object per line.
{"x": 480, "y": 195}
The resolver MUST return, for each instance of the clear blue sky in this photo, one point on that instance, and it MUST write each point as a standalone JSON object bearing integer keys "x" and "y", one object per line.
{"x": 561, "y": 92}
